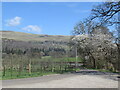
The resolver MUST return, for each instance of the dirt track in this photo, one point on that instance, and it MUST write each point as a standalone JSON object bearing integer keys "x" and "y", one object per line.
{"x": 82, "y": 79}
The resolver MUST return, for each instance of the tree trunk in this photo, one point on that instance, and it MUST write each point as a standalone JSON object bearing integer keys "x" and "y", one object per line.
{"x": 118, "y": 45}
{"x": 94, "y": 61}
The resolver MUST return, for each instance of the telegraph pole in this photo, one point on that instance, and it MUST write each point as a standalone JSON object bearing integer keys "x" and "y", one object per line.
{"x": 76, "y": 59}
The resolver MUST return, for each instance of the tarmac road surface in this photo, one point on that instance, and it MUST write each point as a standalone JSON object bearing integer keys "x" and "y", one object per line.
{"x": 82, "y": 79}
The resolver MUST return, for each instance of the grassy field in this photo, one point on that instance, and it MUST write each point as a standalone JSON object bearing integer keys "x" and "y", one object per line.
{"x": 25, "y": 74}
{"x": 55, "y": 66}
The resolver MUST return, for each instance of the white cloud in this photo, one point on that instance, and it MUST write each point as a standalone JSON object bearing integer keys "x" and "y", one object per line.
{"x": 32, "y": 28}
{"x": 14, "y": 21}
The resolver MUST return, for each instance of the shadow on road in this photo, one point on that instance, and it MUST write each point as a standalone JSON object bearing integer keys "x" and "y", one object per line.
{"x": 109, "y": 75}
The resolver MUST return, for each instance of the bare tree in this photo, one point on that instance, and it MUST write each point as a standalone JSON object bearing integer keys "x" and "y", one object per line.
{"x": 106, "y": 12}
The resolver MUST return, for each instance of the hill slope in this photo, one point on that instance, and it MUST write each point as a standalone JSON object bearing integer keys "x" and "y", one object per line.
{"x": 47, "y": 44}
{"x": 20, "y": 36}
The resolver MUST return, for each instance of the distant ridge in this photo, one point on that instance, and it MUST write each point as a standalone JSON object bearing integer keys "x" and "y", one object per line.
{"x": 21, "y": 36}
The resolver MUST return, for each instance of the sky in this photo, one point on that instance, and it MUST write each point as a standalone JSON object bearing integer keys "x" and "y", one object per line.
{"x": 52, "y": 18}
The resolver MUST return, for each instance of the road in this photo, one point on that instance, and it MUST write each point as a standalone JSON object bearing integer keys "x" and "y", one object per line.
{"x": 81, "y": 79}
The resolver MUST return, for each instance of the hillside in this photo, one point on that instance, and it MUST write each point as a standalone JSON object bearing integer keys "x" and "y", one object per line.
{"x": 49, "y": 45}
{"x": 20, "y": 36}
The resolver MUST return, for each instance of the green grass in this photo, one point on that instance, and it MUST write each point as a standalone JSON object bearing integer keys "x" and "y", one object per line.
{"x": 36, "y": 69}
{"x": 64, "y": 59}
{"x": 103, "y": 70}
{"x": 25, "y": 75}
